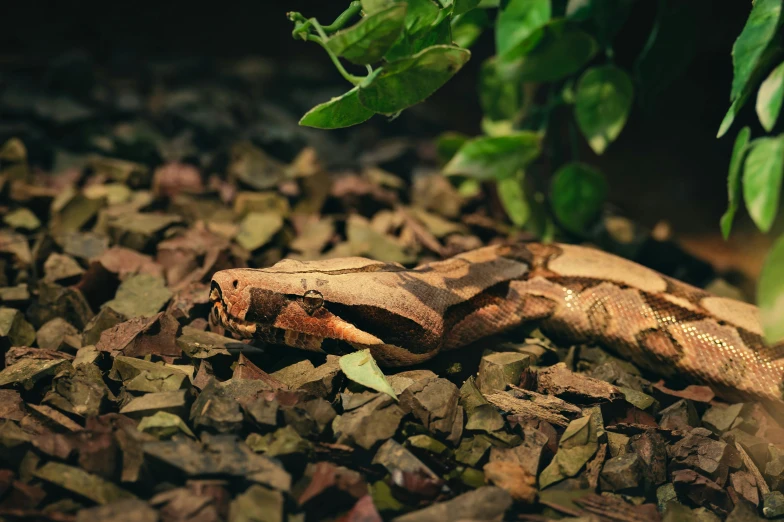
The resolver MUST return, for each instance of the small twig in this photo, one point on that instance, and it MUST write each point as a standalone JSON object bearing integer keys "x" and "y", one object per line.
{"x": 763, "y": 487}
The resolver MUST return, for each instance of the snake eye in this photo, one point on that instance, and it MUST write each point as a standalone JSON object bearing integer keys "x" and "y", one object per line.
{"x": 312, "y": 300}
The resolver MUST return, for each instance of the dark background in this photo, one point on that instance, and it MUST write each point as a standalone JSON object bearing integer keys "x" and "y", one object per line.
{"x": 667, "y": 164}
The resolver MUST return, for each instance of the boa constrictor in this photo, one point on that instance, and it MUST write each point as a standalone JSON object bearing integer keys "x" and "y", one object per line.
{"x": 577, "y": 294}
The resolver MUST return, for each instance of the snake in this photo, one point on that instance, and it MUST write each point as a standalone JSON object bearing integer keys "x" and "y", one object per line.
{"x": 576, "y": 294}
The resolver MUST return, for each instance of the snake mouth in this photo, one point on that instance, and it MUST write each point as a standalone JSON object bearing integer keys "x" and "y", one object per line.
{"x": 222, "y": 316}
{"x": 282, "y": 319}
{"x": 265, "y": 333}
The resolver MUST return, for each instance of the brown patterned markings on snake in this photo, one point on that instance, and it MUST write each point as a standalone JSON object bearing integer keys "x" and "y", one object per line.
{"x": 407, "y": 315}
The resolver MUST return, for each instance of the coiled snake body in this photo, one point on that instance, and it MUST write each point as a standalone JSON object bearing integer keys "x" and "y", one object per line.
{"x": 578, "y": 294}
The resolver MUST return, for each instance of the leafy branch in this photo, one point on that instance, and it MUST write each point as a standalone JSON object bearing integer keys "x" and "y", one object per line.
{"x": 553, "y": 69}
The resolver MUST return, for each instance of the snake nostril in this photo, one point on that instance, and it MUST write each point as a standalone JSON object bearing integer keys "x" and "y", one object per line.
{"x": 235, "y": 283}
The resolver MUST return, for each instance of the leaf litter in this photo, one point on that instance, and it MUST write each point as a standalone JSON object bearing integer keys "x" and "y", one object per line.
{"x": 121, "y": 399}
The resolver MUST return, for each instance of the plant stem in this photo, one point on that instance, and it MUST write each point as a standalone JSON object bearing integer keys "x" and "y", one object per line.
{"x": 339, "y": 66}
{"x": 302, "y": 30}
{"x": 353, "y": 9}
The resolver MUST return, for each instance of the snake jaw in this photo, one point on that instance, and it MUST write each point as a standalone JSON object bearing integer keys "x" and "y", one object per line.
{"x": 221, "y": 315}
{"x": 278, "y": 318}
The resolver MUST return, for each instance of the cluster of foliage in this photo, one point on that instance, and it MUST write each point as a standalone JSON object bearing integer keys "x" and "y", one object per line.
{"x": 553, "y": 55}
{"x": 757, "y": 166}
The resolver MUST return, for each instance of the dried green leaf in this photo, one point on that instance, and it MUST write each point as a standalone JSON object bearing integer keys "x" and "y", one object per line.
{"x": 83, "y": 483}
{"x": 361, "y": 368}
{"x": 257, "y": 229}
{"x": 140, "y": 295}
{"x": 164, "y": 425}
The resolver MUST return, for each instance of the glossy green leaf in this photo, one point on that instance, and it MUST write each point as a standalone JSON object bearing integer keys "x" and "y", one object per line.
{"x": 373, "y": 6}
{"x": 763, "y": 171}
{"x": 460, "y": 7}
{"x": 602, "y": 103}
{"x": 512, "y": 196}
{"x": 361, "y": 368}
{"x": 550, "y": 53}
{"x": 733, "y": 180}
{"x": 758, "y": 33}
{"x": 369, "y": 39}
{"x": 407, "y": 82}
{"x": 495, "y": 158}
{"x": 426, "y": 25}
{"x": 343, "y": 111}
{"x": 464, "y": 6}
{"x": 729, "y": 118}
{"x": 468, "y": 27}
{"x": 769, "y": 98}
{"x": 517, "y": 20}
{"x": 421, "y": 14}
{"x": 500, "y": 98}
{"x": 577, "y": 194}
{"x": 770, "y": 293}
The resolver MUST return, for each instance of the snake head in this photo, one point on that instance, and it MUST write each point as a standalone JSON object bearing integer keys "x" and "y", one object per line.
{"x": 285, "y": 304}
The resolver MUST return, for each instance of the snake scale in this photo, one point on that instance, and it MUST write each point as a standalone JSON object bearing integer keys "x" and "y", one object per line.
{"x": 575, "y": 294}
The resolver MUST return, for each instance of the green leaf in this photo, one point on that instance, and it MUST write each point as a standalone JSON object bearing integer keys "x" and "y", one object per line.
{"x": 758, "y": 33}
{"x": 369, "y": 39}
{"x": 602, "y": 18}
{"x": 602, "y": 104}
{"x": 421, "y": 15}
{"x": 550, "y": 53}
{"x": 448, "y": 143}
{"x": 762, "y": 174}
{"x": 769, "y": 98}
{"x": 733, "y": 180}
{"x": 517, "y": 20}
{"x": 512, "y": 196}
{"x": 407, "y": 82}
{"x": 361, "y": 368}
{"x": 464, "y": 6}
{"x": 425, "y": 25}
{"x": 770, "y": 293}
{"x": 670, "y": 49}
{"x": 468, "y": 27}
{"x": 738, "y": 104}
{"x": 577, "y": 193}
{"x": 373, "y": 6}
{"x": 495, "y": 158}
{"x": 500, "y": 99}
{"x": 729, "y": 118}
{"x": 460, "y": 7}
{"x": 343, "y": 111}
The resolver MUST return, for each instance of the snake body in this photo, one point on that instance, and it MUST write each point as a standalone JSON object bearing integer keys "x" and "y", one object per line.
{"x": 576, "y": 294}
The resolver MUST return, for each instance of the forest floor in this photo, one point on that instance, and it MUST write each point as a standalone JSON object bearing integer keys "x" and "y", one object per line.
{"x": 122, "y": 401}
